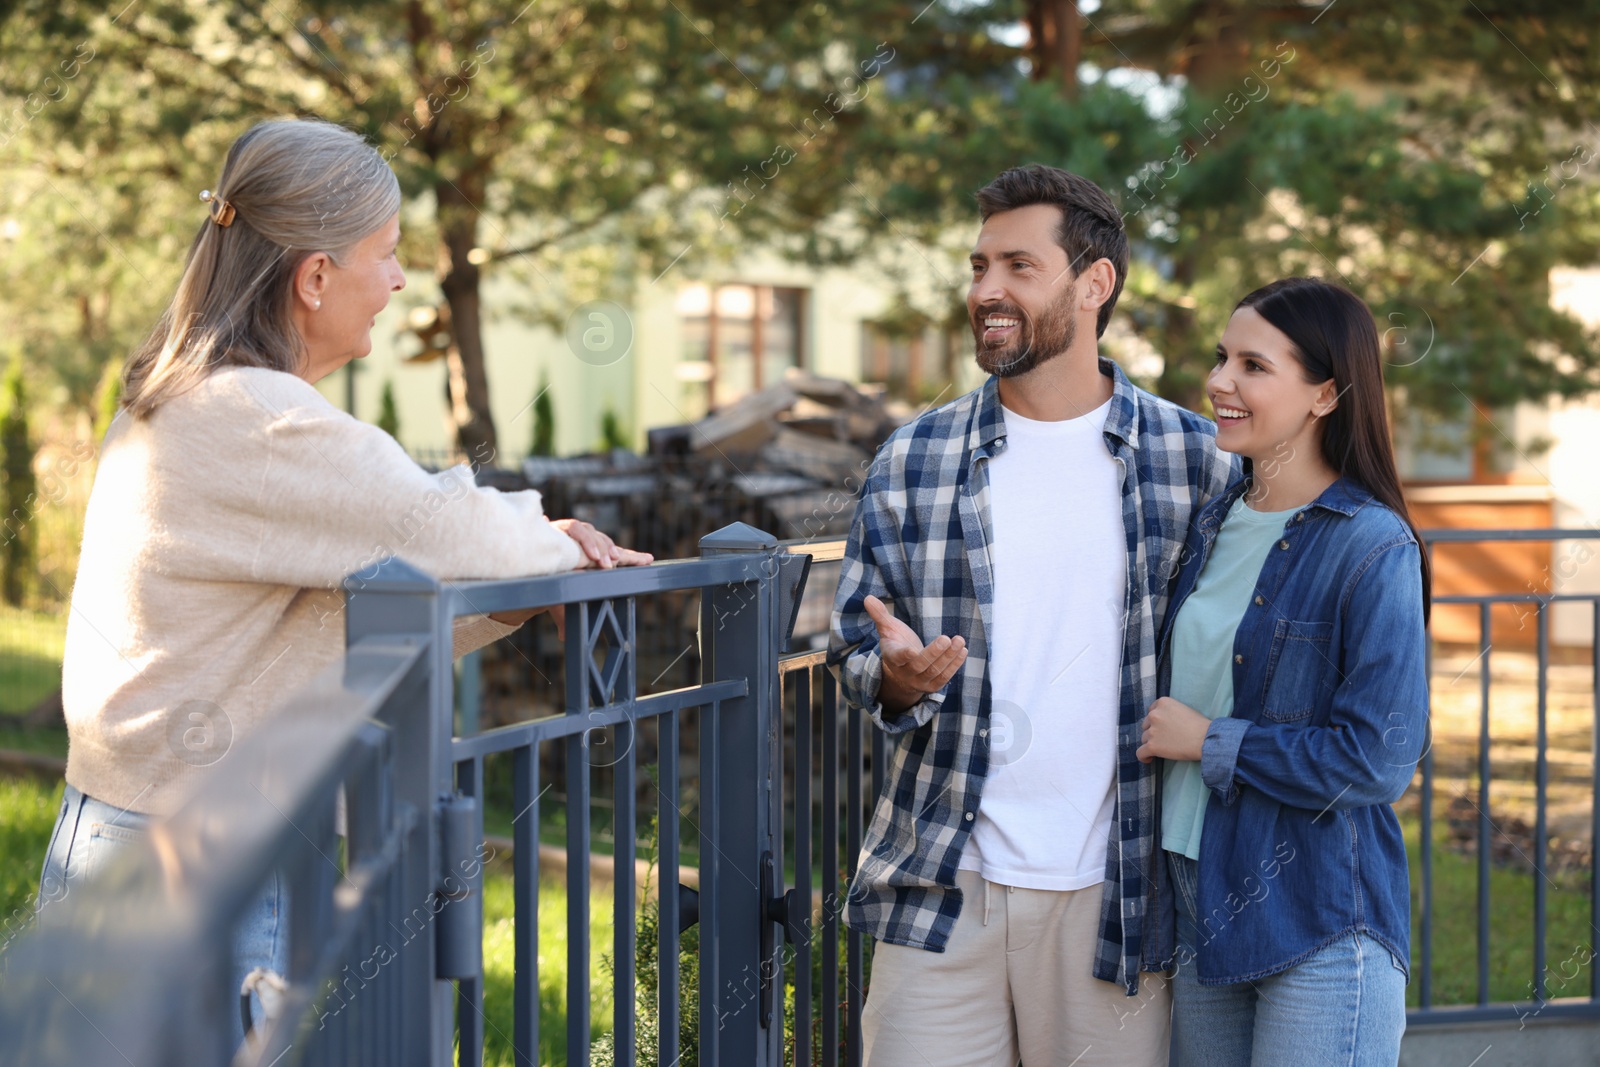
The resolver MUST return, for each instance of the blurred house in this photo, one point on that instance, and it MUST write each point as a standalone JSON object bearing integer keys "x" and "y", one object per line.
{"x": 1535, "y": 466}
{"x": 700, "y": 341}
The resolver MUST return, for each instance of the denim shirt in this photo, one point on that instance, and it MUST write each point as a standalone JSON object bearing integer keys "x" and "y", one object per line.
{"x": 1330, "y": 717}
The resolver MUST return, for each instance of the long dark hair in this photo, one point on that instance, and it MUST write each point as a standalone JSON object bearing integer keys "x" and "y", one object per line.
{"x": 1334, "y": 337}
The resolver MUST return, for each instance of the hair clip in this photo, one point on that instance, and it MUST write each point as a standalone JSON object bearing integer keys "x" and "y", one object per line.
{"x": 221, "y": 210}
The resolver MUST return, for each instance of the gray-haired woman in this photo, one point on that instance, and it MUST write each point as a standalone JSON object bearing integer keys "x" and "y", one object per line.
{"x": 231, "y": 500}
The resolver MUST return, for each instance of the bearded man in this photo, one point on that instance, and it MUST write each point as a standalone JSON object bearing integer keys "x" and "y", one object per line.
{"x": 1002, "y": 589}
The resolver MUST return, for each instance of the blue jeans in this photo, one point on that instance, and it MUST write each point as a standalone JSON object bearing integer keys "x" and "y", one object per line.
{"x": 1345, "y": 1006}
{"x": 90, "y": 833}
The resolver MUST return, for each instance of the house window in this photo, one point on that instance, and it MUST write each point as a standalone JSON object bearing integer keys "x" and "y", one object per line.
{"x": 897, "y": 361}
{"x": 914, "y": 364}
{"x": 739, "y": 338}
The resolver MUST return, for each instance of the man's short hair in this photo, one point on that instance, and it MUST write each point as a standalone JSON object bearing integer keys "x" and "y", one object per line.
{"x": 1091, "y": 226}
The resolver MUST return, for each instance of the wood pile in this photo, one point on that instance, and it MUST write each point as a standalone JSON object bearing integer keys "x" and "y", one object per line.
{"x": 822, "y": 429}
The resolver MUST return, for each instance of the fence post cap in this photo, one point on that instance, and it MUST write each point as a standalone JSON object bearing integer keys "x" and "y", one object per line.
{"x": 737, "y": 537}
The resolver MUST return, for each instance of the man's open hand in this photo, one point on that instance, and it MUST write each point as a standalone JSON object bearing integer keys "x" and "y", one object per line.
{"x": 911, "y": 670}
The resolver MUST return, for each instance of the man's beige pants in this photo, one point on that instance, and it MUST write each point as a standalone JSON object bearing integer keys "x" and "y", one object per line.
{"x": 1014, "y": 983}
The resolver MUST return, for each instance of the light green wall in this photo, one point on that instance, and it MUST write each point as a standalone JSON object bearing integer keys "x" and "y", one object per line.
{"x": 642, "y": 388}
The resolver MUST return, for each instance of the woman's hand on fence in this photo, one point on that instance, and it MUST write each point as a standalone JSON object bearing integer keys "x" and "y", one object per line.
{"x": 911, "y": 670}
{"x": 598, "y": 549}
{"x": 1172, "y": 731}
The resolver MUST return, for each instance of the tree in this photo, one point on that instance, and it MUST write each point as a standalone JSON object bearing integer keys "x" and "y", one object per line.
{"x": 18, "y": 491}
{"x": 1436, "y": 161}
{"x": 518, "y": 133}
{"x": 1428, "y": 156}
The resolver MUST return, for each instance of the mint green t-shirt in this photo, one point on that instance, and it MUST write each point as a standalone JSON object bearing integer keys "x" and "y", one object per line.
{"x": 1202, "y": 655}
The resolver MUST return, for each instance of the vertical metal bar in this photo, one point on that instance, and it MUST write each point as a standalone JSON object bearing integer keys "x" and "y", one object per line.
{"x": 710, "y": 883}
{"x": 832, "y": 898}
{"x": 1594, "y": 798}
{"x": 469, "y": 692}
{"x": 855, "y": 784}
{"x": 1425, "y": 985}
{"x": 802, "y": 865}
{"x": 667, "y": 816}
{"x": 1542, "y": 781}
{"x": 740, "y": 637}
{"x": 625, "y": 834}
{"x": 525, "y": 904}
{"x": 394, "y": 599}
{"x": 578, "y": 663}
{"x": 469, "y": 991}
{"x": 1485, "y": 774}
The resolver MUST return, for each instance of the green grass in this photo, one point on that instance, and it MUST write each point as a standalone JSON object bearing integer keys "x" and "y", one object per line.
{"x": 1569, "y": 938}
{"x": 27, "y": 815}
{"x": 28, "y": 811}
{"x": 30, "y": 657}
{"x": 498, "y": 821}
{"x": 51, "y": 741}
{"x": 499, "y": 956}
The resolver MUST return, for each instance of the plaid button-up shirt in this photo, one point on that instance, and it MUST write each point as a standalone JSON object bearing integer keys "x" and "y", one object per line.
{"x": 920, "y": 541}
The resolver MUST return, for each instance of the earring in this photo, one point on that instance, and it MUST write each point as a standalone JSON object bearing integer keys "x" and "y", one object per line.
{"x": 317, "y": 306}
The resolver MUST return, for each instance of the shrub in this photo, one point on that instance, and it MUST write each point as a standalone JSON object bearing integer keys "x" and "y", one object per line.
{"x": 388, "y": 417}
{"x": 544, "y": 422}
{"x": 18, "y": 491}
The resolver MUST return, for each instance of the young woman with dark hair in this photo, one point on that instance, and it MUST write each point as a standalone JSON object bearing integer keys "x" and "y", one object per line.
{"x": 1294, "y": 704}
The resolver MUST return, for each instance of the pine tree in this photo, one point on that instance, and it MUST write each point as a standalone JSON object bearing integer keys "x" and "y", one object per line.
{"x": 612, "y": 434}
{"x": 388, "y": 417}
{"x": 544, "y": 422}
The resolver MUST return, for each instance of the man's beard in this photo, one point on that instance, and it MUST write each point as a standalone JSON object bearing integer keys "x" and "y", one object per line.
{"x": 1035, "y": 341}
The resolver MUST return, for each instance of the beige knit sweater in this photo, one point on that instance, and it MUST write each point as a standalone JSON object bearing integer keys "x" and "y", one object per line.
{"x": 217, "y": 534}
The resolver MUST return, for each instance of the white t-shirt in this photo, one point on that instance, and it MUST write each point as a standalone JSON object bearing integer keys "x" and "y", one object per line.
{"x": 1060, "y": 558}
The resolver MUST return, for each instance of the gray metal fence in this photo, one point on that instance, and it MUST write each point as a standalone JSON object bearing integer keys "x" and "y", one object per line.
{"x": 134, "y": 967}
{"x": 131, "y": 968}
{"x": 1487, "y": 829}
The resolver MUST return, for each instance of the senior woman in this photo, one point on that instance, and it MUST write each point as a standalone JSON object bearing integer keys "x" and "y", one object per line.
{"x": 231, "y": 499}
